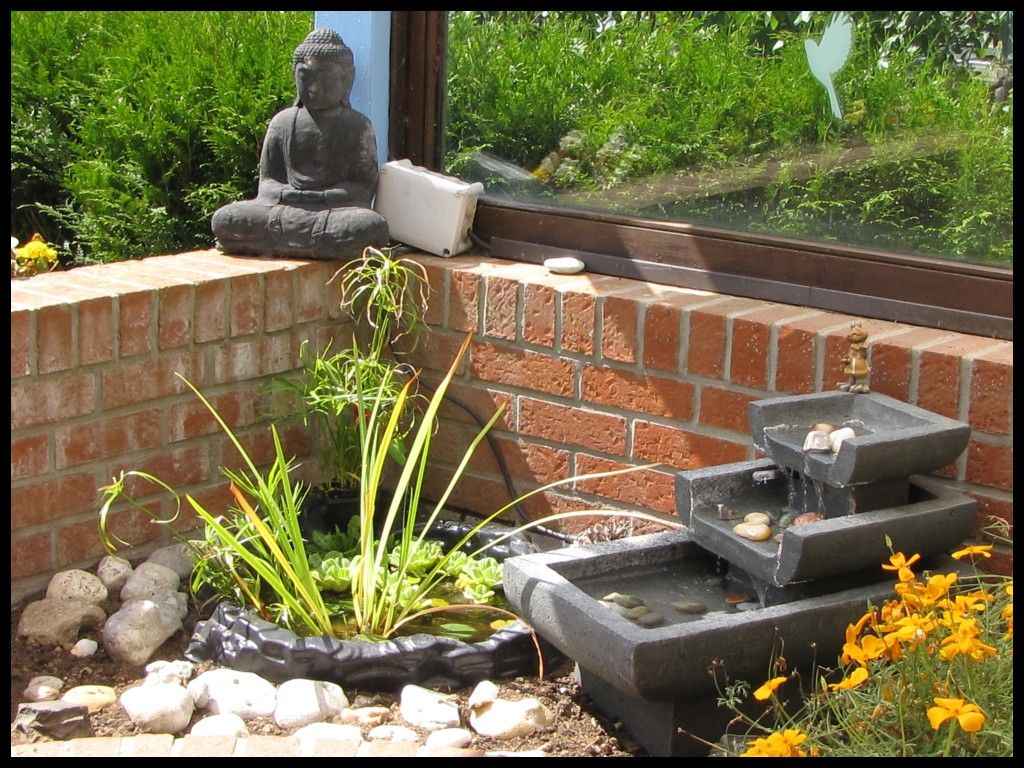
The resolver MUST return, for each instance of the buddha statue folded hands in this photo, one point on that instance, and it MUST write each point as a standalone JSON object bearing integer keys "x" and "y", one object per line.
{"x": 318, "y": 169}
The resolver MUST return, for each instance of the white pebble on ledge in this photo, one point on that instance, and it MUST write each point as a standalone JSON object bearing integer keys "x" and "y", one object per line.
{"x": 564, "y": 265}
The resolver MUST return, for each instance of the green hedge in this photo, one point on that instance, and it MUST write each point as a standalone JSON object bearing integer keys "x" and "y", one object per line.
{"x": 128, "y": 129}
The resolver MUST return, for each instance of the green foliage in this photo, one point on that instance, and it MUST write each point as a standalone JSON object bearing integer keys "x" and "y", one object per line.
{"x": 725, "y": 98}
{"x": 927, "y": 674}
{"x": 128, "y": 129}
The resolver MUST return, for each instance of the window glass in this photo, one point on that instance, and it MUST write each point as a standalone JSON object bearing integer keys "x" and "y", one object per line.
{"x": 889, "y": 131}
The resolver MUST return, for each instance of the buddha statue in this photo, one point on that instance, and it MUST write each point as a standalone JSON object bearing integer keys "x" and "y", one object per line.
{"x": 318, "y": 169}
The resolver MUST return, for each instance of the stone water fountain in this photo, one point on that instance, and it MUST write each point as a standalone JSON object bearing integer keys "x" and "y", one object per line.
{"x": 705, "y": 597}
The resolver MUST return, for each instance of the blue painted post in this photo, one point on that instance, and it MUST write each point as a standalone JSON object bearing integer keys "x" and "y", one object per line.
{"x": 368, "y": 34}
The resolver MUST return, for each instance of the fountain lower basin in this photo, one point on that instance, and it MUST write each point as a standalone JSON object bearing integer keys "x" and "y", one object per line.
{"x": 658, "y": 679}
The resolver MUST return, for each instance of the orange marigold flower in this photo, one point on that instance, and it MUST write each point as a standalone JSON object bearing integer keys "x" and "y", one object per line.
{"x": 969, "y": 715}
{"x": 898, "y": 561}
{"x": 856, "y": 678}
{"x": 766, "y": 690}
{"x": 985, "y": 550}
{"x": 785, "y": 744}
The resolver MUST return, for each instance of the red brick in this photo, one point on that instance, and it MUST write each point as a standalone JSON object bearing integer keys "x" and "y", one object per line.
{"x": 176, "y": 467}
{"x": 990, "y": 465}
{"x": 246, "y": 307}
{"x": 31, "y": 554}
{"x": 891, "y": 360}
{"x": 50, "y": 498}
{"x": 992, "y": 392}
{"x": 706, "y": 348}
{"x": 50, "y": 400}
{"x": 938, "y": 384}
{"x": 311, "y": 291}
{"x": 535, "y": 464}
{"x": 278, "y": 306}
{"x": 135, "y": 318}
{"x": 211, "y": 311}
{"x": 95, "y": 331}
{"x": 148, "y": 380}
{"x": 174, "y": 327}
{"x": 56, "y": 343}
{"x": 254, "y": 358}
{"x": 992, "y": 513}
{"x": 530, "y": 370}
{"x": 22, "y": 343}
{"x": 726, "y": 409}
{"x": 748, "y": 362}
{"x": 645, "y": 488}
{"x": 618, "y": 329}
{"x": 435, "y": 295}
{"x": 29, "y": 456}
{"x": 579, "y": 313}
{"x": 436, "y": 352}
{"x": 652, "y": 395}
{"x": 108, "y": 437}
{"x": 682, "y": 449}
{"x": 192, "y": 419}
{"x": 463, "y": 301}
{"x": 501, "y": 307}
{"x": 539, "y": 315}
{"x": 474, "y": 404}
{"x": 662, "y": 338}
{"x": 80, "y": 541}
{"x": 795, "y": 363}
{"x": 572, "y": 426}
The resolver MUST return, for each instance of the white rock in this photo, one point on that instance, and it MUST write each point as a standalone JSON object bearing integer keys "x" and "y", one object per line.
{"x": 84, "y": 647}
{"x": 43, "y": 688}
{"x": 449, "y": 737}
{"x": 301, "y": 702}
{"x": 428, "y": 709}
{"x": 753, "y": 531}
{"x": 147, "y": 580}
{"x": 390, "y": 732}
{"x": 225, "y": 690}
{"x": 364, "y": 716}
{"x": 179, "y": 671}
{"x": 77, "y": 585}
{"x": 310, "y": 735}
{"x": 227, "y": 724}
{"x": 816, "y": 440}
{"x": 564, "y": 265}
{"x": 757, "y": 517}
{"x": 177, "y": 557}
{"x": 134, "y": 633}
{"x": 504, "y": 719}
{"x": 161, "y": 708}
{"x": 92, "y": 697}
{"x": 836, "y": 438}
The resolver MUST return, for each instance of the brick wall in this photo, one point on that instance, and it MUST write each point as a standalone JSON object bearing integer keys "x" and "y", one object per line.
{"x": 595, "y": 373}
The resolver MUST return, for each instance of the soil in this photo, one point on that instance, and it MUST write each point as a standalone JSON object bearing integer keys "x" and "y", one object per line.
{"x": 580, "y": 729}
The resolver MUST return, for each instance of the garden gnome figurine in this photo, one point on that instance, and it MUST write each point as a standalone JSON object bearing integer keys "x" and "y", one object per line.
{"x": 318, "y": 169}
{"x": 855, "y": 364}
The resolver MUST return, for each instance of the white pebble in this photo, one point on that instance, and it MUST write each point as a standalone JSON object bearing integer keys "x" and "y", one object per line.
{"x": 753, "y": 531}
{"x": 758, "y": 517}
{"x": 564, "y": 265}
{"x": 84, "y": 647}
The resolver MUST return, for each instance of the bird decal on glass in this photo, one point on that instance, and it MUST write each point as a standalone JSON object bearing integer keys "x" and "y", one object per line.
{"x": 828, "y": 56}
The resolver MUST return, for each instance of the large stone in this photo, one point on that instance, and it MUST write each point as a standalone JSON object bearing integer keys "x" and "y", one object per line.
{"x": 57, "y": 621}
{"x": 113, "y": 571}
{"x": 133, "y": 633}
{"x": 159, "y": 708}
{"x": 178, "y": 557}
{"x": 428, "y": 709}
{"x": 77, "y": 585}
{"x": 301, "y": 702}
{"x": 148, "y": 580}
{"x": 227, "y": 690}
{"x": 56, "y": 719}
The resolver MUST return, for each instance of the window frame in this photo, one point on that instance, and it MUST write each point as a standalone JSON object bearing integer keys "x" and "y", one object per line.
{"x": 948, "y": 295}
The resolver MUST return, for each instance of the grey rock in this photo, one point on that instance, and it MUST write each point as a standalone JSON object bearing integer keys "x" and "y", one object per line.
{"x": 113, "y": 571}
{"x": 57, "y": 621}
{"x": 133, "y": 633}
{"x": 43, "y": 688}
{"x": 147, "y": 580}
{"x": 56, "y": 719}
{"x": 178, "y": 557}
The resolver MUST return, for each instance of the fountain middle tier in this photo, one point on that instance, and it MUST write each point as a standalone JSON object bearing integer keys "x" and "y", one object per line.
{"x": 929, "y": 517}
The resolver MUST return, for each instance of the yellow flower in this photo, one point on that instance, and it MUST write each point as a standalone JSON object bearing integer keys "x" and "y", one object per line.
{"x": 870, "y": 647}
{"x": 965, "y": 640}
{"x": 898, "y": 562}
{"x": 35, "y": 256}
{"x": 858, "y": 676}
{"x": 970, "y": 716}
{"x": 766, "y": 690}
{"x": 975, "y": 549}
{"x": 776, "y": 744}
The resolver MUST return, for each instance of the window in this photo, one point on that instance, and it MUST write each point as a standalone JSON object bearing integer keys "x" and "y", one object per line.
{"x": 702, "y": 149}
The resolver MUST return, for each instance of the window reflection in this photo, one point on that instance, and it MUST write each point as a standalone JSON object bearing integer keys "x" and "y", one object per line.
{"x": 724, "y": 119}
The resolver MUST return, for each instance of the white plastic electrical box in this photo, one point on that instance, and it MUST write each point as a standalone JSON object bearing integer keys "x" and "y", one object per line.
{"x": 426, "y": 209}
